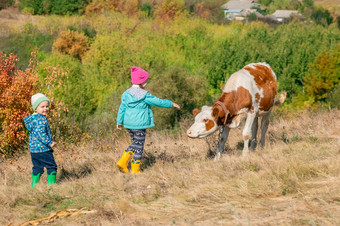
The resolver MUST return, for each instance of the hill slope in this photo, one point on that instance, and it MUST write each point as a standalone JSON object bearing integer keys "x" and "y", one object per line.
{"x": 294, "y": 180}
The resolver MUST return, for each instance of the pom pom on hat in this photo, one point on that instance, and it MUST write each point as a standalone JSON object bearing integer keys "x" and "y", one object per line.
{"x": 36, "y": 99}
{"x": 138, "y": 75}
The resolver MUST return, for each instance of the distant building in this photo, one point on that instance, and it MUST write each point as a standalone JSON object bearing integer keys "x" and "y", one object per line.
{"x": 239, "y": 9}
{"x": 282, "y": 15}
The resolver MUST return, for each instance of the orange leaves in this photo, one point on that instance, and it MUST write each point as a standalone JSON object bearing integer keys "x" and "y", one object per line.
{"x": 71, "y": 43}
{"x": 16, "y": 88}
{"x": 169, "y": 9}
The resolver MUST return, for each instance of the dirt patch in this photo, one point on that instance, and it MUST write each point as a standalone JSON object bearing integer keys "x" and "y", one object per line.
{"x": 12, "y": 20}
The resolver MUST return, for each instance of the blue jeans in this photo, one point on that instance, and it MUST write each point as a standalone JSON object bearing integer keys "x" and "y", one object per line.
{"x": 41, "y": 160}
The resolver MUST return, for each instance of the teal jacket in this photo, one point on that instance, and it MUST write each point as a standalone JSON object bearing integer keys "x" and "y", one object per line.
{"x": 135, "y": 109}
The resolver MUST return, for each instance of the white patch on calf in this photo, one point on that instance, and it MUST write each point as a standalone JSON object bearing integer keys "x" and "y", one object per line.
{"x": 198, "y": 129}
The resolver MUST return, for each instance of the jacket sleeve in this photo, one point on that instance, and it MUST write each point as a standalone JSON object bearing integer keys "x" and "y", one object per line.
{"x": 155, "y": 101}
{"x": 44, "y": 134}
{"x": 28, "y": 122}
{"x": 121, "y": 111}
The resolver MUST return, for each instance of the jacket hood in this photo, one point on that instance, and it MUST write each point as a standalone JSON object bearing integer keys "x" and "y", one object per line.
{"x": 136, "y": 95}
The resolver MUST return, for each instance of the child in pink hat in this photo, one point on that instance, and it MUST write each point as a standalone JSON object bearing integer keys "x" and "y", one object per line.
{"x": 136, "y": 115}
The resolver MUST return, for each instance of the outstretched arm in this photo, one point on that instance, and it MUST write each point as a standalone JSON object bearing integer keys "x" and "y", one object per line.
{"x": 155, "y": 101}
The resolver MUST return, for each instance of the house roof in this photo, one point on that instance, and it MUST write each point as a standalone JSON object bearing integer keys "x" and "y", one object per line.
{"x": 238, "y": 4}
{"x": 234, "y": 10}
{"x": 284, "y": 13}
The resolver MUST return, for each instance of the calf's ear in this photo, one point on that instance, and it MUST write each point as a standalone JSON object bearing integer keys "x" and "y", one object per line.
{"x": 196, "y": 112}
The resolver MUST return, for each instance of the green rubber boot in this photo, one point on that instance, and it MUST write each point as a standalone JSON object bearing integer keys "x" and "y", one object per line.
{"x": 51, "y": 178}
{"x": 35, "y": 179}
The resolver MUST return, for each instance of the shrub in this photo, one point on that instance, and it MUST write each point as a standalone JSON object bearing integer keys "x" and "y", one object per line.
{"x": 127, "y": 7}
{"x": 6, "y": 3}
{"x": 16, "y": 88}
{"x": 168, "y": 9}
{"x": 334, "y": 98}
{"x": 72, "y": 91}
{"x": 71, "y": 43}
{"x": 324, "y": 74}
{"x": 146, "y": 8}
{"x": 180, "y": 86}
{"x": 322, "y": 17}
{"x": 60, "y": 7}
{"x": 68, "y": 7}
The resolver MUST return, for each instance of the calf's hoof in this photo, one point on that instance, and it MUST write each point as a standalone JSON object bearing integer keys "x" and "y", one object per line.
{"x": 217, "y": 156}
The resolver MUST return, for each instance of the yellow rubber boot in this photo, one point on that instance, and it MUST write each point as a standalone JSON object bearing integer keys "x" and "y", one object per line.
{"x": 135, "y": 166}
{"x": 122, "y": 163}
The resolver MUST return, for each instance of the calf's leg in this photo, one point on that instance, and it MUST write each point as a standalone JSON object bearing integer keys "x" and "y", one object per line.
{"x": 264, "y": 127}
{"x": 246, "y": 132}
{"x": 221, "y": 142}
{"x": 254, "y": 128}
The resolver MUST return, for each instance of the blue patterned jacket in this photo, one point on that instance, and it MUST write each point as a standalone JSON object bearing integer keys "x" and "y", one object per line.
{"x": 40, "y": 133}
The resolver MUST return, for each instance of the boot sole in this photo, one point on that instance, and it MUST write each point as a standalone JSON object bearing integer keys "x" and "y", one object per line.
{"x": 121, "y": 169}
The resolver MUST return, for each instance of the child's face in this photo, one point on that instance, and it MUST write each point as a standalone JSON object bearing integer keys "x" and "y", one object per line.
{"x": 43, "y": 108}
{"x": 145, "y": 83}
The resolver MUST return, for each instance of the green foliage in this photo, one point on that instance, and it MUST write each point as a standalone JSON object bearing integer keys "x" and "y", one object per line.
{"x": 6, "y": 3}
{"x": 146, "y": 8}
{"x": 322, "y": 17}
{"x": 68, "y": 7}
{"x": 189, "y": 60}
{"x": 59, "y": 7}
{"x": 334, "y": 98}
{"x": 22, "y": 44}
{"x": 288, "y": 49}
{"x": 87, "y": 30}
{"x": 180, "y": 86}
{"x": 324, "y": 74}
{"x": 72, "y": 92}
{"x": 265, "y": 2}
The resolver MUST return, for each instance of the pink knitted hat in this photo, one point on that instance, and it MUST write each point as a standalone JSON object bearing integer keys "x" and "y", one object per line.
{"x": 138, "y": 75}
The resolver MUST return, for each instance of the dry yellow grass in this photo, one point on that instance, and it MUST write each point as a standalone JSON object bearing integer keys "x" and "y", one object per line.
{"x": 294, "y": 180}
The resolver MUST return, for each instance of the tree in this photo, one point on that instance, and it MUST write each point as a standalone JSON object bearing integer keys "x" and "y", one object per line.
{"x": 324, "y": 74}
{"x": 16, "y": 88}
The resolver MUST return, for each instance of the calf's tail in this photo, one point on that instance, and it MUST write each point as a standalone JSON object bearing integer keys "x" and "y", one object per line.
{"x": 281, "y": 99}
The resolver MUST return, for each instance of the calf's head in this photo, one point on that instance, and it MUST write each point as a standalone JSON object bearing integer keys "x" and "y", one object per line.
{"x": 207, "y": 121}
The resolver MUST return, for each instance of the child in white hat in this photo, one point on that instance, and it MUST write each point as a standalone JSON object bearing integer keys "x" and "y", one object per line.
{"x": 40, "y": 141}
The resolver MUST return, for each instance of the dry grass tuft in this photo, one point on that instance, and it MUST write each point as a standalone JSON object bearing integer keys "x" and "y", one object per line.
{"x": 293, "y": 180}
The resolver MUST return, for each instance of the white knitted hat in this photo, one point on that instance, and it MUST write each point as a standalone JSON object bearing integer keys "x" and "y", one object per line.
{"x": 36, "y": 99}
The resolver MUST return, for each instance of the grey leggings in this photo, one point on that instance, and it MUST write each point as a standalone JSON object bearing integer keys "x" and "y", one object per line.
{"x": 137, "y": 146}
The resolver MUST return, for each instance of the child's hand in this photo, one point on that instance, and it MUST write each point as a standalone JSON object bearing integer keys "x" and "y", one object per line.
{"x": 119, "y": 127}
{"x": 176, "y": 106}
{"x": 53, "y": 144}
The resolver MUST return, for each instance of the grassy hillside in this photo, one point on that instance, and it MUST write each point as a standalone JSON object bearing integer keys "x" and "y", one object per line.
{"x": 294, "y": 180}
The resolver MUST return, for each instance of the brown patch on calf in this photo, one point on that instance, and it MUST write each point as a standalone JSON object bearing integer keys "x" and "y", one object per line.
{"x": 209, "y": 125}
{"x": 234, "y": 102}
{"x": 196, "y": 111}
{"x": 265, "y": 81}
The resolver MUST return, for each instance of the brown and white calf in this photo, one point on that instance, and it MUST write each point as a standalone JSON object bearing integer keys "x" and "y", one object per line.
{"x": 249, "y": 93}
